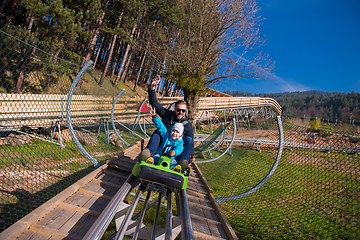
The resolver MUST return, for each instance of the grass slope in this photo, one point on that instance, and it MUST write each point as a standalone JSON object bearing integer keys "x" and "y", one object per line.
{"x": 300, "y": 201}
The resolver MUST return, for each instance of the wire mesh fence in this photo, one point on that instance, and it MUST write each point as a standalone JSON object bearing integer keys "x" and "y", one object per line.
{"x": 314, "y": 192}
{"x": 38, "y": 155}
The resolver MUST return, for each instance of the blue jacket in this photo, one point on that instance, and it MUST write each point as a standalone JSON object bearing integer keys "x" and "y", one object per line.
{"x": 167, "y": 139}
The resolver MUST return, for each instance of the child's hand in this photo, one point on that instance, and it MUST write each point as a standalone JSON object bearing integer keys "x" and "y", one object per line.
{"x": 172, "y": 153}
{"x": 152, "y": 112}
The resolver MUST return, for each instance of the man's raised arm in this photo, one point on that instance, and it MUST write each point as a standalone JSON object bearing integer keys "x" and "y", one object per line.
{"x": 152, "y": 96}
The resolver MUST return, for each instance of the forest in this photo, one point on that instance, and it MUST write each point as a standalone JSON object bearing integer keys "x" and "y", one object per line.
{"x": 190, "y": 43}
{"x": 330, "y": 106}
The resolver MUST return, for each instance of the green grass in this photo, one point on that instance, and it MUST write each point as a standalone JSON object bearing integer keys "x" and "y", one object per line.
{"x": 40, "y": 151}
{"x": 300, "y": 201}
{"x": 36, "y": 158}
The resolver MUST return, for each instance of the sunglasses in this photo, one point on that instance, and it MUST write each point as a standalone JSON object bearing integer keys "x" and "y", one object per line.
{"x": 181, "y": 110}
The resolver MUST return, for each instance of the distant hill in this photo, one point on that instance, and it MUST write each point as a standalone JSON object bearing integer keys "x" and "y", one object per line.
{"x": 326, "y": 105}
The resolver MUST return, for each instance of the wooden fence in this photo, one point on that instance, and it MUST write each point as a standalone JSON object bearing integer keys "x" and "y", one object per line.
{"x": 36, "y": 110}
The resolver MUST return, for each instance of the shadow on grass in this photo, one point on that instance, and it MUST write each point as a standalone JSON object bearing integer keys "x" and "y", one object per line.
{"x": 27, "y": 202}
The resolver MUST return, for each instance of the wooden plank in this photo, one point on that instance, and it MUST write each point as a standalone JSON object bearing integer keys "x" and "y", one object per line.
{"x": 78, "y": 199}
{"x": 199, "y": 187}
{"x": 96, "y": 204}
{"x": 53, "y": 232}
{"x": 119, "y": 168}
{"x": 78, "y": 224}
{"x": 108, "y": 183}
{"x": 125, "y": 164}
{"x": 195, "y": 190}
{"x": 79, "y": 209}
{"x": 196, "y": 183}
{"x": 199, "y": 226}
{"x": 202, "y": 202}
{"x": 114, "y": 158}
{"x": 196, "y": 211}
{"x": 204, "y": 219}
{"x": 200, "y": 198}
{"x": 210, "y": 214}
{"x": 225, "y": 223}
{"x": 29, "y": 235}
{"x": 217, "y": 230}
{"x": 200, "y": 236}
{"x": 55, "y": 218}
{"x": 96, "y": 194}
{"x": 198, "y": 205}
{"x": 114, "y": 174}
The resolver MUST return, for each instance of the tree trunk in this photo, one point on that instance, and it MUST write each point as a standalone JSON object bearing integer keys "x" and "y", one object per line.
{"x": 92, "y": 42}
{"x": 106, "y": 67}
{"x": 192, "y": 100}
{"x": 123, "y": 75}
{"x": 146, "y": 76}
{"x": 26, "y": 54}
{"x": 125, "y": 57}
{"x": 98, "y": 53}
{"x": 26, "y": 58}
{"x": 122, "y": 65}
{"x": 133, "y": 67}
{"x": 51, "y": 76}
{"x": 168, "y": 90}
{"x": 162, "y": 67}
{"x": 176, "y": 90}
{"x": 140, "y": 69}
{"x": 165, "y": 88}
{"x": 11, "y": 11}
{"x": 143, "y": 60}
{"x": 115, "y": 60}
{"x": 30, "y": 23}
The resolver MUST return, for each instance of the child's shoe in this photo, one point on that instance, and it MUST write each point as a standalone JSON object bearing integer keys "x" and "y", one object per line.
{"x": 177, "y": 168}
{"x": 150, "y": 160}
{"x": 145, "y": 154}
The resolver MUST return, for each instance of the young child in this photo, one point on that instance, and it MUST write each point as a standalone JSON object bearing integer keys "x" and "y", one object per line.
{"x": 173, "y": 138}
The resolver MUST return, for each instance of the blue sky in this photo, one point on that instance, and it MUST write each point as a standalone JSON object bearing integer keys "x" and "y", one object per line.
{"x": 315, "y": 45}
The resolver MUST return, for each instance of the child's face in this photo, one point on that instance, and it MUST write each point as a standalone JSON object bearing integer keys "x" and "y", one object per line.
{"x": 175, "y": 134}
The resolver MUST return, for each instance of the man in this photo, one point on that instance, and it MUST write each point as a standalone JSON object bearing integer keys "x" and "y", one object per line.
{"x": 169, "y": 118}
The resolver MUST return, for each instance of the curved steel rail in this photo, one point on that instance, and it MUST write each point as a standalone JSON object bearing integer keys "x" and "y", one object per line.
{"x": 272, "y": 170}
{"x": 68, "y": 115}
{"x": 112, "y": 119}
{"x": 228, "y": 148}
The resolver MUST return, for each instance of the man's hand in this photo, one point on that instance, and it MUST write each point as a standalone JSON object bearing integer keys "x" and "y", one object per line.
{"x": 172, "y": 153}
{"x": 152, "y": 111}
{"x": 192, "y": 158}
{"x": 155, "y": 82}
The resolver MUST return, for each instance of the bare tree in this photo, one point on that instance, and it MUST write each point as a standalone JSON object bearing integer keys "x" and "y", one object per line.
{"x": 201, "y": 49}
